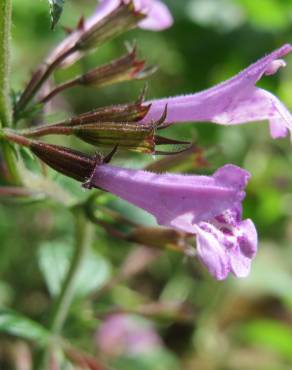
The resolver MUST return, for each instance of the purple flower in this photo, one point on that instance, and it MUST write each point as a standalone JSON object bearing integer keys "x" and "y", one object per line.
{"x": 234, "y": 101}
{"x": 208, "y": 206}
{"x": 122, "y": 334}
{"x": 158, "y": 15}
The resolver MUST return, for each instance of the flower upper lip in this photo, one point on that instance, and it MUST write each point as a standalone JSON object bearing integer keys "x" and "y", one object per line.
{"x": 235, "y": 101}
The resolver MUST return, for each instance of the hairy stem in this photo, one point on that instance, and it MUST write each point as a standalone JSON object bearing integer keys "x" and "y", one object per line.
{"x": 5, "y": 101}
{"x": 9, "y": 156}
{"x": 5, "y": 36}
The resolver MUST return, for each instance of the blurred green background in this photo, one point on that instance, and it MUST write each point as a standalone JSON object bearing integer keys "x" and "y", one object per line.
{"x": 235, "y": 324}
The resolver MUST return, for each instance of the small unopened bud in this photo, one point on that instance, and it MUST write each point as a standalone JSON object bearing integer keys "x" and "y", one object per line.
{"x": 115, "y": 113}
{"x": 134, "y": 136}
{"x": 123, "y": 69}
{"x": 67, "y": 161}
{"x": 126, "y": 68}
{"x": 126, "y": 135}
{"x": 124, "y": 18}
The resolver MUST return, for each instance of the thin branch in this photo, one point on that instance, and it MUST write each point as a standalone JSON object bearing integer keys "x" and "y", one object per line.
{"x": 58, "y": 89}
{"x": 38, "y": 79}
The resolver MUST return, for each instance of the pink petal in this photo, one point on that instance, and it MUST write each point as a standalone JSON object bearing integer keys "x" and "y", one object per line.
{"x": 224, "y": 245}
{"x": 104, "y": 8}
{"x": 240, "y": 264}
{"x": 249, "y": 239}
{"x": 212, "y": 255}
{"x": 244, "y": 250}
{"x": 159, "y": 17}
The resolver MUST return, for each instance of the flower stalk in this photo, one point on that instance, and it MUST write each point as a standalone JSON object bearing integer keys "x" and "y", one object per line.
{"x": 38, "y": 79}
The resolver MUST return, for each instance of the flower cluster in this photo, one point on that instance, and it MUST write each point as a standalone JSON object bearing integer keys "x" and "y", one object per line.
{"x": 207, "y": 207}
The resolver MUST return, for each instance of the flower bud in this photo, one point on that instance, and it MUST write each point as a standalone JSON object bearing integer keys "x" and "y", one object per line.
{"x": 122, "y": 19}
{"x": 127, "y": 135}
{"x": 123, "y": 69}
{"x": 140, "y": 138}
{"x": 114, "y": 113}
{"x": 67, "y": 161}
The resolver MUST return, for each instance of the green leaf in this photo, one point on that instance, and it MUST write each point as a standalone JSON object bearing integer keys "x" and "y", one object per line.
{"x": 17, "y": 325}
{"x": 269, "y": 15}
{"x": 54, "y": 260}
{"x": 159, "y": 359}
{"x": 56, "y": 9}
{"x": 269, "y": 334}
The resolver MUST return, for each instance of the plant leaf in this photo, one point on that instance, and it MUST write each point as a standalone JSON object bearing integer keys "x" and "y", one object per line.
{"x": 20, "y": 326}
{"x": 56, "y": 9}
{"x": 54, "y": 258}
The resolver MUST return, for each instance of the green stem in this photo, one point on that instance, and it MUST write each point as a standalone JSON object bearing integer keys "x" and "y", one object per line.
{"x": 5, "y": 36}
{"x": 83, "y": 237}
{"x": 5, "y": 101}
{"x": 11, "y": 163}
